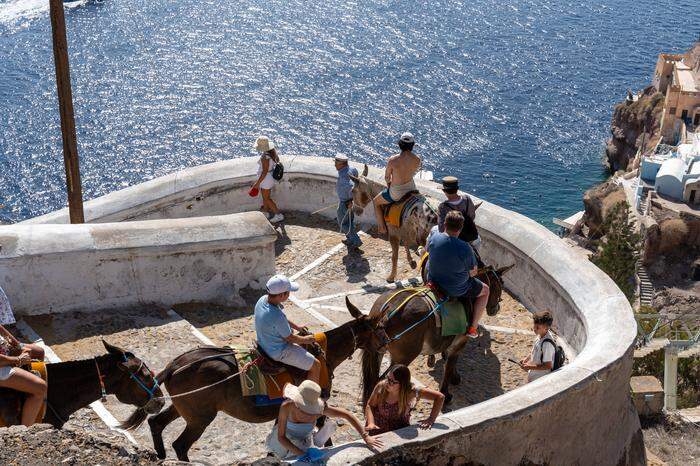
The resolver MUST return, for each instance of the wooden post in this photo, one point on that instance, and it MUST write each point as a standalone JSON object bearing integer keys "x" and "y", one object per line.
{"x": 65, "y": 105}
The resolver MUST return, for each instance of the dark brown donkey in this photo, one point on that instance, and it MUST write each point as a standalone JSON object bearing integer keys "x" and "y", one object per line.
{"x": 207, "y": 367}
{"x": 75, "y": 384}
{"x": 425, "y": 337}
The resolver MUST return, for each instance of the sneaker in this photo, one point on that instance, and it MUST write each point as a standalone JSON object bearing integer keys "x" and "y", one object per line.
{"x": 277, "y": 218}
{"x": 472, "y": 332}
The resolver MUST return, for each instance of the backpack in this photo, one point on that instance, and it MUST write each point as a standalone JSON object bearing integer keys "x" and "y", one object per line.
{"x": 278, "y": 171}
{"x": 559, "y": 355}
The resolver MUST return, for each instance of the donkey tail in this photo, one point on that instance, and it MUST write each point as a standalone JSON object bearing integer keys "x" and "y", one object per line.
{"x": 371, "y": 361}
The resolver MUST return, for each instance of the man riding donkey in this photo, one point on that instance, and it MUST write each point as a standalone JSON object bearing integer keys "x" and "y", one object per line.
{"x": 274, "y": 329}
{"x": 463, "y": 204}
{"x": 452, "y": 268}
{"x": 398, "y": 175}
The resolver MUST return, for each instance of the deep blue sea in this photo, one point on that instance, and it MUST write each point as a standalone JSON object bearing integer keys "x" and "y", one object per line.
{"x": 514, "y": 97}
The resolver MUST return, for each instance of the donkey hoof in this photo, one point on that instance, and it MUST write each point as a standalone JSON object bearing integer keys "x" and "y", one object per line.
{"x": 448, "y": 399}
{"x": 431, "y": 360}
{"x": 390, "y": 279}
{"x": 413, "y": 264}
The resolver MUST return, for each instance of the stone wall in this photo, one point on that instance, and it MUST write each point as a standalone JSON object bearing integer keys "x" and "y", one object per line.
{"x": 59, "y": 268}
{"x": 582, "y": 414}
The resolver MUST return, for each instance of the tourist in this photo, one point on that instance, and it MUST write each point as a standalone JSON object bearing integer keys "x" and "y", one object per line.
{"x": 389, "y": 406}
{"x": 399, "y": 173}
{"x": 274, "y": 330}
{"x": 265, "y": 182}
{"x": 452, "y": 266}
{"x": 461, "y": 203}
{"x": 7, "y": 317}
{"x": 541, "y": 359}
{"x": 14, "y": 354}
{"x": 344, "y": 213}
{"x": 294, "y": 434}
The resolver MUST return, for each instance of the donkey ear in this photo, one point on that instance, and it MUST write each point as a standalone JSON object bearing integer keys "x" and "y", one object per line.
{"x": 476, "y": 206}
{"x": 354, "y": 311}
{"x": 505, "y": 269}
{"x": 354, "y": 179}
{"x": 112, "y": 349}
{"x": 365, "y": 171}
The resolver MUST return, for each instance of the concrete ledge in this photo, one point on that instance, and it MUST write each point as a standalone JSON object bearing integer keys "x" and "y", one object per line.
{"x": 60, "y": 268}
{"x": 582, "y": 414}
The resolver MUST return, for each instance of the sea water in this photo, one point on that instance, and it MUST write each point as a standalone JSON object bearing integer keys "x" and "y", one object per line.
{"x": 513, "y": 97}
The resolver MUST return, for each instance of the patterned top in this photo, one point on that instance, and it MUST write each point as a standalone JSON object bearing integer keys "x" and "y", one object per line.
{"x": 386, "y": 416}
{"x": 6, "y": 315}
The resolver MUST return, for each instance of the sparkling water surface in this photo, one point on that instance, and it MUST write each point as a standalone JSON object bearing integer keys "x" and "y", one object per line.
{"x": 514, "y": 97}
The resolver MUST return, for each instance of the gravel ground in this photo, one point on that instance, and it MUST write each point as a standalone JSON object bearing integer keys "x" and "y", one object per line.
{"x": 673, "y": 442}
{"x": 41, "y": 444}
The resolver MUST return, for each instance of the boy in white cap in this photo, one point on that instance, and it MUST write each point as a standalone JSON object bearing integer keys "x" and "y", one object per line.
{"x": 274, "y": 330}
{"x": 398, "y": 175}
{"x": 343, "y": 188}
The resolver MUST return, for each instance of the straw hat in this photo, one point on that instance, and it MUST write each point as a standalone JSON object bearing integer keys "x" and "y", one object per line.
{"x": 263, "y": 144}
{"x": 307, "y": 396}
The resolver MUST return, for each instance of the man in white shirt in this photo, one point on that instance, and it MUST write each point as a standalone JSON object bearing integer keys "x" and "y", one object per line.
{"x": 541, "y": 360}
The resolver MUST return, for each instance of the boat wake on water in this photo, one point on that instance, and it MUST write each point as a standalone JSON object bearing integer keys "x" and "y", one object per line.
{"x": 14, "y": 11}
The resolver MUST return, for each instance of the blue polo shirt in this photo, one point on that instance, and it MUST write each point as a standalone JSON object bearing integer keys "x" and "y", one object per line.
{"x": 271, "y": 327}
{"x": 344, "y": 185}
{"x": 449, "y": 263}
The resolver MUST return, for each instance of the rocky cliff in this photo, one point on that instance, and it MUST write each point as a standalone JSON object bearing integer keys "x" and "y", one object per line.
{"x": 597, "y": 203}
{"x": 633, "y": 124}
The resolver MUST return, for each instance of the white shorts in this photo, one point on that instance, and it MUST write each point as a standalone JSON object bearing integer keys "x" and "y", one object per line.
{"x": 6, "y": 372}
{"x": 295, "y": 355}
{"x": 268, "y": 182}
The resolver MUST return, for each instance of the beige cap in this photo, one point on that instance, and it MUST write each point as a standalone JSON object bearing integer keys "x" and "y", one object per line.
{"x": 307, "y": 396}
{"x": 263, "y": 144}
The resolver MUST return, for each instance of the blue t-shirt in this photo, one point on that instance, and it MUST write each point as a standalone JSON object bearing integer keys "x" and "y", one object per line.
{"x": 344, "y": 185}
{"x": 449, "y": 263}
{"x": 271, "y": 327}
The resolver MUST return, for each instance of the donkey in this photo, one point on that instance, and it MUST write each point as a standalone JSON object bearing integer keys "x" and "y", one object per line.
{"x": 73, "y": 385}
{"x": 414, "y": 229}
{"x": 425, "y": 338}
{"x": 203, "y": 368}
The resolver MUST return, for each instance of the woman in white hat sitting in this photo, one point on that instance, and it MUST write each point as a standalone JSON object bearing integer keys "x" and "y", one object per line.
{"x": 266, "y": 165}
{"x": 294, "y": 433}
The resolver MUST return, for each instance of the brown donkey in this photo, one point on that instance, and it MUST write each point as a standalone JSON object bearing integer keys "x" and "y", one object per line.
{"x": 75, "y": 384}
{"x": 203, "y": 367}
{"x": 425, "y": 337}
{"x": 414, "y": 230}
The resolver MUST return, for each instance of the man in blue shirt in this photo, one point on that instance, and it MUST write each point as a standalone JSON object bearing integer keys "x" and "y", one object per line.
{"x": 274, "y": 330}
{"x": 452, "y": 266}
{"x": 343, "y": 188}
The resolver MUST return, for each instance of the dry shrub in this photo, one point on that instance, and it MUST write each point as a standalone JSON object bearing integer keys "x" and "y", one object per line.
{"x": 673, "y": 234}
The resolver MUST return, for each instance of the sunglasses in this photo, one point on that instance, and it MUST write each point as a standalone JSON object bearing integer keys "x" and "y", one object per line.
{"x": 391, "y": 381}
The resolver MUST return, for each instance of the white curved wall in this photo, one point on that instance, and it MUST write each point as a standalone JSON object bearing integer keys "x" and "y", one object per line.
{"x": 581, "y": 414}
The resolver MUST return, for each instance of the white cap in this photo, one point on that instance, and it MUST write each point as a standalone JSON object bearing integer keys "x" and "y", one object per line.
{"x": 407, "y": 137}
{"x": 341, "y": 158}
{"x": 279, "y": 284}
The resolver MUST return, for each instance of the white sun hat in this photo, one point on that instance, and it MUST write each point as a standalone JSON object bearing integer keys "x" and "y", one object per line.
{"x": 341, "y": 157}
{"x": 307, "y": 396}
{"x": 263, "y": 144}
{"x": 279, "y": 284}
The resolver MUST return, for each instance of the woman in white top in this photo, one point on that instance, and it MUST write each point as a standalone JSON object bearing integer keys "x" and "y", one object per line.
{"x": 14, "y": 354}
{"x": 265, "y": 182}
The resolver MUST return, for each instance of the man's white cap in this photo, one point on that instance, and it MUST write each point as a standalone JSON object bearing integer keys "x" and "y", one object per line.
{"x": 341, "y": 158}
{"x": 279, "y": 284}
{"x": 407, "y": 137}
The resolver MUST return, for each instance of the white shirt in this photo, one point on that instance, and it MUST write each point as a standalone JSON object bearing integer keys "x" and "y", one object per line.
{"x": 541, "y": 354}
{"x": 6, "y": 315}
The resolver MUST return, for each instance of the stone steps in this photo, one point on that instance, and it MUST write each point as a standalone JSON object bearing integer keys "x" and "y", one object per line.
{"x": 646, "y": 289}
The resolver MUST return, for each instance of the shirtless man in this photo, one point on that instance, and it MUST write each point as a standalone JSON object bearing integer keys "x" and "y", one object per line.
{"x": 399, "y": 174}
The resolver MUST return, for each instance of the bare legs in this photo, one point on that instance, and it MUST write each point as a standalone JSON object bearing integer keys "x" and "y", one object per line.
{"x": 34, "y": 387}
{"x": 379, "y": 203}
{"x": 314, "y": 373}
{"x": 268, "y": 204}
{"x": 480, "y": 305}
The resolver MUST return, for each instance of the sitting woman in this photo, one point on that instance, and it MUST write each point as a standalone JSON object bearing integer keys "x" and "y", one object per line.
{"x": 389, "y": 406}
{"x": 12, "y": 376}
{"x": 7, "y": 317}
{"x": 294, "y": 435}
